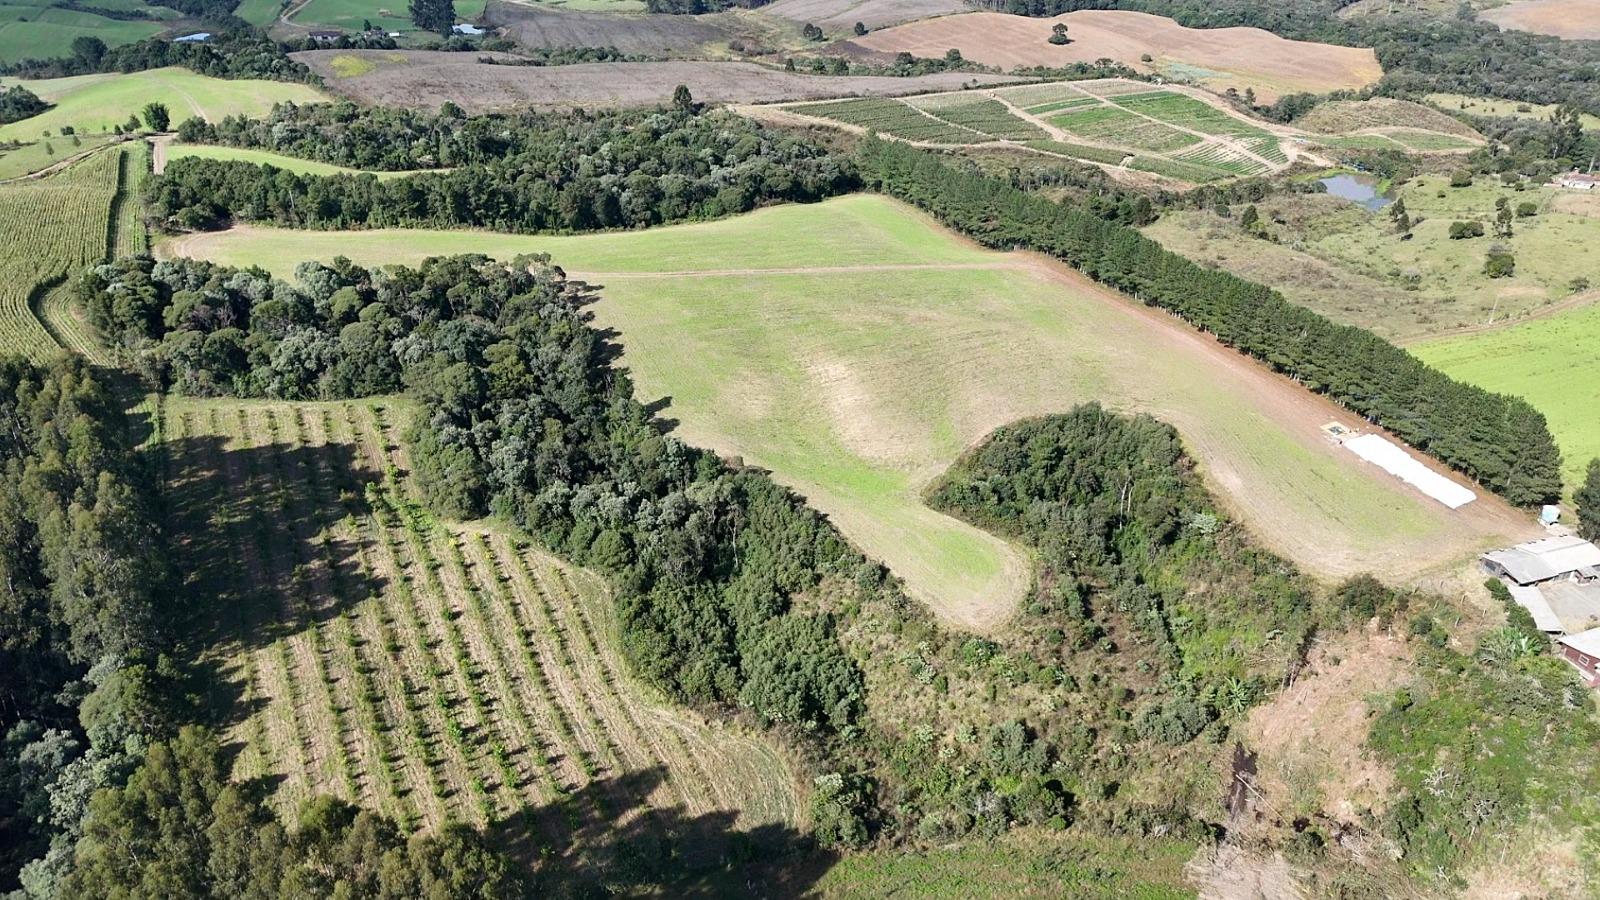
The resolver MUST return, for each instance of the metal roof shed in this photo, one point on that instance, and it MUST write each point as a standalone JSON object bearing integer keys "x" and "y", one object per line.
{"x": 1531, "y": 600}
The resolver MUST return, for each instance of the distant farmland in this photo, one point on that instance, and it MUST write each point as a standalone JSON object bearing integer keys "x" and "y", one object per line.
{"x": 423, "y": 79}
{"x": 916, "y": 345}
{"x": 1573, "y": 20}
{"x": 1217, "y": 58}
{"x": 435, "y": 672}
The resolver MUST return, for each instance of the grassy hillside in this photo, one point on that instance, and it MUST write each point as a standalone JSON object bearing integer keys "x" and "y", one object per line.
{"x": 92, "y": 103}
{"x": 1554, "y": 362}
{"x": 913, "y": 346}
{"x": 1351, "y": 265}
{"x": 36, "y": 29}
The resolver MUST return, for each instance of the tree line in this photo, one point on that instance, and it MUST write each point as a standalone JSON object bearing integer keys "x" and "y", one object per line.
{"x": 1500, "y": 441}
{"x": 567, "y": 172}
{"x": 237, "y": 52}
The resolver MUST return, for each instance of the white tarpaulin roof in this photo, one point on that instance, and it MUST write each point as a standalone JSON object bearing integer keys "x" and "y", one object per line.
{"x": 1531, "y": 600}
{"x": 1388, "y": 456}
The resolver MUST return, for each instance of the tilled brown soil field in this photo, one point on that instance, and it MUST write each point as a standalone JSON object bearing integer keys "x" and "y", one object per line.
{"x": 1573, "y": 20}
{"x": 423, "y": 80}
{"x": 435, "y": 672}
{"x": 1217, "y": 58}
{"x": 541, "y": 26}
{"x": 830, "y": 15}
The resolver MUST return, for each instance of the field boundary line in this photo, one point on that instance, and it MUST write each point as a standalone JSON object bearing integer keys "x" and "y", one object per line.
{"x": 804, "y": 270}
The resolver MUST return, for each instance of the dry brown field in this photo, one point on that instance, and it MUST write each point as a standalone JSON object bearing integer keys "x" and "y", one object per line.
{"x": 831, "y": 15}
{"x": 1573, "y": 20}
{"x": 423, "y": 79}
{"x": 1218, "y": 58}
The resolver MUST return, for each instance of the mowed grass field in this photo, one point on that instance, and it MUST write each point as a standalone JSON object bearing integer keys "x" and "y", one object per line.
{"x": 41, "y": 29}
{"x": 435, "y": 671}
{"x": 1554, "y": 362}
{"x": 95, "y": 103}
{"x": 856, "y": 349}
{"x": 268, "y": 158}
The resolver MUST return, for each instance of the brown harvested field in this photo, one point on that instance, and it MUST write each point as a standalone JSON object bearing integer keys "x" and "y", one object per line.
{"x": 1573, "y": 20}
{"x": 830, "y": 15}
{"x": 423, "y": 79}
{"x": 432, "y": 671}
{"x": 542, "y": 26}
{"x": 1218, "y": 58}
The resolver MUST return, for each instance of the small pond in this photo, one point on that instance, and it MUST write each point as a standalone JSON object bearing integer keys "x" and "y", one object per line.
{"x": 1359, "y": 189}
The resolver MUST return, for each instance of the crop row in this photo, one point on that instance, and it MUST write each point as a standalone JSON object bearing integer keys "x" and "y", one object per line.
{"x": 988, "y": 116}
{"x": 893, "y": 118}
{"x": 1081, "y": 151}
{"x": 1111, "y": 125}
{"x": 53, "y": 226}
{"x": 1186, "y": 112}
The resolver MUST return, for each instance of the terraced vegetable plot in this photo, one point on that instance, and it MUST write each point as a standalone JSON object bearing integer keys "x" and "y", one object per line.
{"x": 1185, "y": 112}
{"x": 436, "y": 672}
{"x": 1110, "y": 125}
{"x": 1080, "y": 151}
{"x": 980, "y": 114}
{"x": 53, "y": 226}
{"x": 891, "y": 117}
{"x": 1216, "y": 156}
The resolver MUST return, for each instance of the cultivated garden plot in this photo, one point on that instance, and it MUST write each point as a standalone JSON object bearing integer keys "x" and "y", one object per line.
{"x": 53, "y": 227}
{"x": 1111, "y": 122}
{"x": 435, "y": 672}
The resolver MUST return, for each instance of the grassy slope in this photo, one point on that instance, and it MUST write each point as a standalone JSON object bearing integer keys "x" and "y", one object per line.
{"x": 265, "y": 157}
{"x": 1022, "y": 864}
{"x": 390, "y": 16}
{"x": 97, "y": 102}
{"x": 35, "y": 29}
{"x": 859, "y": 386}
{"x": 1554, "y": 362}
{"x": 1351, "y": 266}
{"x": 42, "y": 154}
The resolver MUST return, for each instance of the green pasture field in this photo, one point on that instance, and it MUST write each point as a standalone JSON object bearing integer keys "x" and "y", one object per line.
{"x": 41, "y": 154}
{"x": 1553, "y": 362}
{"x": 856, "y": 349}
{"x": 35, "y": 29}
{"x": 95, "y": 103}
{"x": 1495, "y": 107}
{"x": 260, "y": 13}
{"x": 1020, "y": 864}
{"x": 390, "y": 15}
{"x": 268, "y": 158}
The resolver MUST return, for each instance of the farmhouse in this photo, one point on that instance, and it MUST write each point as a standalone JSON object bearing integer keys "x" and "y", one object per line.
{"x": 1557, "y": 580}
{"x": 1582, "y": 651}
{"x": 1577, "y": 181}
{"x": 323, "y": 37}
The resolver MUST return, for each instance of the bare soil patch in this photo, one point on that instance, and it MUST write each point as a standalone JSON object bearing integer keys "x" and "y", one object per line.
{"x": 1217, "y": 58}
{"x": 834, "y": 14}
{"x": 1573, "y": 20}
{"x": 544, "y": 27}
{"x": 425, "y": 79}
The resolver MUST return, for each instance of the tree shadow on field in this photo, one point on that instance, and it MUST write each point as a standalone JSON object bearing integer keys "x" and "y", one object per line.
{"x": 605, "y": 840}
{"x": 249, "y": 528}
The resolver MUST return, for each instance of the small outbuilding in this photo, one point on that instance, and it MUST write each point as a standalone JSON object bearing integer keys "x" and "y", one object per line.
{"x": 1544, "y": 560}
{"x": 1577, "y": 181}
{"x": 1582, "y": 652}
